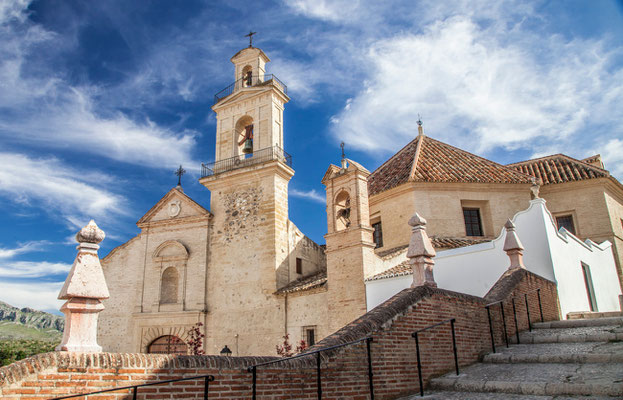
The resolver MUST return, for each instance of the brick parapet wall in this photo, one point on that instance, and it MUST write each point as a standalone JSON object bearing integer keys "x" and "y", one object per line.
{"x": 344, "y": 371}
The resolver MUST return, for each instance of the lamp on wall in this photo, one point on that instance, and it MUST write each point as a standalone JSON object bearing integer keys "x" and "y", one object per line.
{"x": 226, "y": 351}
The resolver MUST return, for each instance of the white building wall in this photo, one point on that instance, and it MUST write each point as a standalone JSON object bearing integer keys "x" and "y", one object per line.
{"x": 553, "y": 255}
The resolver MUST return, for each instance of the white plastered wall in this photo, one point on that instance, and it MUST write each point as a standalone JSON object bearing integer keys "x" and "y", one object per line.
{"x": 551, "y": 254}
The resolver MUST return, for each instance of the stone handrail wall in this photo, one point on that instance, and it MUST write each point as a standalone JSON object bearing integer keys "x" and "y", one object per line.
{"x": 344, "y": 370}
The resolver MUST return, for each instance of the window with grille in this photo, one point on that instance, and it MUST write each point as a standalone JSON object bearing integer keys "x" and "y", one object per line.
{"x": 310, "y": 335}
{"x": 377, "y": 236}
{"x": 473, "y": 224}
{"x": 299, "y": 265}
{"x": 566, "y": 221}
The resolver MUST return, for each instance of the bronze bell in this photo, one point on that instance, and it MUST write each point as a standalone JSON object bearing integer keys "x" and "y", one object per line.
{"x": 248, "y": 146}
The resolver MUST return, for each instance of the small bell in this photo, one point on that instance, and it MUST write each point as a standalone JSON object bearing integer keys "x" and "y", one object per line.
{"x": 248, "y": 146}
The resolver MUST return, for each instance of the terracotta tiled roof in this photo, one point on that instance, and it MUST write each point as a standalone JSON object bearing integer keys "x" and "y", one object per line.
{"x": 310, "y": 282}
{"x": 439, "y": 243}
{"x": 559, "y": 168}
{"x": 429, "y": 160}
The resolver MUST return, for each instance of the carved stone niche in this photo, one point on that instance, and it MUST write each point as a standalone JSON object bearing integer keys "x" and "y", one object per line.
{"x": 170, "y": 260}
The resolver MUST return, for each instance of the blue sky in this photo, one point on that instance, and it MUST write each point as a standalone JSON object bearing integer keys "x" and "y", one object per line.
{"x": 100, "y": 101}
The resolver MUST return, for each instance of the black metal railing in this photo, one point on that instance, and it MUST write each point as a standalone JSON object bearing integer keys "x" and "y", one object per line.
{"x": 501, "y": 303}
{"x": 415, "y": 335}
{"x": 134, "y": 389}
{"x": 257, "y": 157}
{"x": 368, "y": 340}
{"x": 255, "y": 80}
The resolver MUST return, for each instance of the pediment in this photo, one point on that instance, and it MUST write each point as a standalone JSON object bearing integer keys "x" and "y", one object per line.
{"x": 174, "y": 205}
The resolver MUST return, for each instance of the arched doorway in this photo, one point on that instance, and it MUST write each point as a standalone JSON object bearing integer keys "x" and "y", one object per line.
{"x": 168, "y": 344}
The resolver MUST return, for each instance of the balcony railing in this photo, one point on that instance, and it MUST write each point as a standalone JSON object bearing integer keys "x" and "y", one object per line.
{"x": 257, "y": 157}
{"x": 256, "y": 80}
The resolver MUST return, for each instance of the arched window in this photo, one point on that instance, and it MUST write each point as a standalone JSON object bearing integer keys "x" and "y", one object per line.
{"x": 168, "y": 286}
{"x": 247, "y": 76}
{"x": 243, "y": 135}
{"x": 168, "y": 345}
{"x": 342, "y": 211}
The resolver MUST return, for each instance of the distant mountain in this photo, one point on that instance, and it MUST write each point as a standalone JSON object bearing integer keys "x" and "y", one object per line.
{"x": 26, "y": 323}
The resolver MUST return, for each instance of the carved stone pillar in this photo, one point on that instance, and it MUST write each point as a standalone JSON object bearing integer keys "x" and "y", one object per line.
{"x": 421, "y": 253}
{"x": 513, "y": 246}
{"x": 84, "y": 289}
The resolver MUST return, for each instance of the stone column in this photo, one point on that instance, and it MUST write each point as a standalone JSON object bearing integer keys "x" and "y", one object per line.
{"x": 84, "y": 289}
{"x": 513, "y": 246}
{"x": 420, "y": 253}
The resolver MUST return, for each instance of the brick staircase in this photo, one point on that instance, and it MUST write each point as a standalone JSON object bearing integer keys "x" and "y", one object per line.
{"x": 558, "y": 360}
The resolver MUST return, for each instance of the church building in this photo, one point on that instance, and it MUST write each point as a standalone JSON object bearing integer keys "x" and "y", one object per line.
{"x": 246, "y": 273}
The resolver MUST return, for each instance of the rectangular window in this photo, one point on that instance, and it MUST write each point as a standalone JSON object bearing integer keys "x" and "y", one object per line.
{"x": 473, "y": 225}
{"x": 590, "y": 290}
{"x": 378, "y": 234}
{"x": 566, "y": 221}
{"x": 310, "y": 335}
{"x": 299, "y": 265}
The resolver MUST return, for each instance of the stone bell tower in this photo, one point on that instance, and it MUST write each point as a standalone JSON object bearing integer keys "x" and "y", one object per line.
{"x": 350, "y": 248}
{"x": 248, "y": 182}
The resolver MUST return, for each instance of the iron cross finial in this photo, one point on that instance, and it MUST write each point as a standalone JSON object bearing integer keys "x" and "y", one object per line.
{"x": 250, "y": 36}
{"x": 419, "y": 120}
{"x": 179, "y": 172}
{"x": 342, "y": 146}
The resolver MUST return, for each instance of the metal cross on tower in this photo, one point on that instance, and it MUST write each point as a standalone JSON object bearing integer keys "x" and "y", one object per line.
{"x": 250, "y": 36}
{"x": 342, "y": 146}
{"x": 179, "y": 172}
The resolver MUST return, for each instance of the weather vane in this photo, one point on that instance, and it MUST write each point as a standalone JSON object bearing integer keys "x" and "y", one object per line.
{"x": 250, "y": 36}
{"x": 342, "y": 146}
{"x": 179, "y": 172}
{"x": 419, "y": 120}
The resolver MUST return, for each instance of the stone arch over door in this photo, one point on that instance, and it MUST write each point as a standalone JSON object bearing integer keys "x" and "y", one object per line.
{"x": 153, "y": 333}
{"x": 168, "y": 344}
{"x": 170, "y": 259}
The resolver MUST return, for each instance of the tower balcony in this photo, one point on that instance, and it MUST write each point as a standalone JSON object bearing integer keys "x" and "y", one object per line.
{"x": 257, "y": 157}
{"x": 251, "y": 81}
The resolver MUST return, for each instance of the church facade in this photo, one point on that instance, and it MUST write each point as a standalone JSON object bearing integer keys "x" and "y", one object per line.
{"x": 249, "y": 276}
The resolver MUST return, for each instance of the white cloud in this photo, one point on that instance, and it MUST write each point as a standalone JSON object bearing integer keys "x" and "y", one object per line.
{"x": 33, "y": 294}
{"x": 311, "y": 195}
{"x": 21, "y": 249}
{"x": 328, "y": 10}
{"x": 31, "y": 269}
{"x": 43, "y": 109}
{"x": 12, "y": 9}
{"x": 612, "y": 154}
{"x": 58, "y": 189}
{"x": 481, "y": 88}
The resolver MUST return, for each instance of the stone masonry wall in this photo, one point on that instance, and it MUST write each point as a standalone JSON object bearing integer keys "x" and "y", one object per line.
{"x": 344, "y": 370}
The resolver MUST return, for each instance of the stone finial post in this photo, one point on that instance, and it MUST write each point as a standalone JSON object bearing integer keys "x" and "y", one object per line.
{"x": 421, "y": 253}
{"x": 513, "y": 246}
{"x": 84, "y": 289}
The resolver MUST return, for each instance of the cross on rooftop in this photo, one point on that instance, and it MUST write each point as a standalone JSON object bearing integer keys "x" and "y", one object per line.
{"x": 179, "y": 172}
{"x": 342, "y": 146}
{"x": 250, "y": 36}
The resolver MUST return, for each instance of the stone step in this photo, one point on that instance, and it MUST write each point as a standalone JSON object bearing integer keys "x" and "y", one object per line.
{"x": 576, "y": 323}
{"x": 493, "y": 396}
{"x": 592, "y": 315}
{"x": 598, "y": 379}
{"x": 571, "y": 335}
{"x": 587, "y": 352}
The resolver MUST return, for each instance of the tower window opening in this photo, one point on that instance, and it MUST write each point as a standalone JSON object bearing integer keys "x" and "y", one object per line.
{"x": 299, "y": 265}
{"x": 342, "y": 211}
{"x": 377, "y": 236}
{"x": 247, "y": 76}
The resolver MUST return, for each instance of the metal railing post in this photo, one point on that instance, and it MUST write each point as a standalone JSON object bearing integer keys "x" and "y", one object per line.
{"x": 254, "y": 371}
{"x": 134, "y": 392}
{"x": 528, "y": 312}
{"x": 491, "y": 328}
{"x": 419, "y": 366}
{"x": 370, "y": 374}
{"x": 504, "y": 323}
{"x": 538, "y": 293}
{"x": 318, "y": 382}
{"x": 456, "y": 356}
{"x": 206, "y": 386}
{"x": 515, "y": 319}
